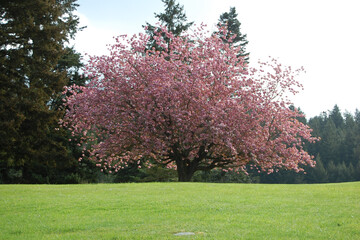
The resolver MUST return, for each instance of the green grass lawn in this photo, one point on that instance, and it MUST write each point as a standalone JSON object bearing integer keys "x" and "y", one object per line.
{"x": 158, "y": 210}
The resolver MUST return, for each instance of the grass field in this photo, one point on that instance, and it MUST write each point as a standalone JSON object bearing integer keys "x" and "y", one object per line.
{"x": 159, "y": 210}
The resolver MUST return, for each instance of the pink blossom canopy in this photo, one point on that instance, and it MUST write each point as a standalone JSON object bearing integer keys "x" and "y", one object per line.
{"x": 193, "y": 106}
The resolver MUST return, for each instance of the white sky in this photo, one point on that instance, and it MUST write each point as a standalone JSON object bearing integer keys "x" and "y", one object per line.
{"x": 321, "y": 35}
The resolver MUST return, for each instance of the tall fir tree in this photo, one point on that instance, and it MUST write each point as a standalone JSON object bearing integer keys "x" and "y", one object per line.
{"x": 230, "y": 21}
{"x": 173, "y": 18}
{"x": 350, "y": 137}
{"x": 336, "y": 116}
{"x": 356, "y": 161}
{"x": 32, "y": 43}
{"x": 317, "y": 174}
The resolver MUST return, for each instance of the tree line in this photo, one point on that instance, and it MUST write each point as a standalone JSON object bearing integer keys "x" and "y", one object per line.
{"x": 338, "y": 153}
{"x": 36, "y": 63}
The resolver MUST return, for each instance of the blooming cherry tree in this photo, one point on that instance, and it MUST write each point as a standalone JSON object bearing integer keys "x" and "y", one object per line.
{"x": 194, "y": 106}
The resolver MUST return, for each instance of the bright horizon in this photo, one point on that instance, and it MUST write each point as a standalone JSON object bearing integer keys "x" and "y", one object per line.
{"x": 320, "y": 35}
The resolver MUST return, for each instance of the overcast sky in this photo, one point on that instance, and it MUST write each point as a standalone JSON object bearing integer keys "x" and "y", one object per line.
{"x": 321, "y": 35}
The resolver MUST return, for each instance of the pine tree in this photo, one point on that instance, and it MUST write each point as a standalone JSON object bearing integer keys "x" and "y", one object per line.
{"x": 357, "y": 172}
{"x": 336, "y": 116}
{"x": 356, "y": 151}
{"x": 174, "y": 19}
{"x": 332, "y": 171}
{"x": 32, "y": 40}
{"x": 329, "y": 142}
{"x": 351, "y": 172}
{"x": 350, "y": 137}
{"x": 318, "y": 174}
{"x": 232, "y": 24}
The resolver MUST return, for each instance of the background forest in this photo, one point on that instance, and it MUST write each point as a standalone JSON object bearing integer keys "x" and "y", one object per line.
{"x": 36, "y": 62}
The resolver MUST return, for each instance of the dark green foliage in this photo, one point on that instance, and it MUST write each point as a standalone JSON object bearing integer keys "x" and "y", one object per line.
{"x": 129, "y": 174}
{"x": 220, "y": 176}
{"x": 282, "y": 176}
{"x": 336, "y": 116}
{"x": 339, "y": 144}
{"x": 35, "y": 65}
{"x": 357, "y": 172}
{"x": 174, "y": 19}
{"x": 300, "y": 119}
{"x": 156, "y": 173}
{"x": 318, "y": 174}
{"x": 232, "y": 24}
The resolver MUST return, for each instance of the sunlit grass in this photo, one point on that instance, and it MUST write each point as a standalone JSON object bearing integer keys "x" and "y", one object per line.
{"x": 158, "y": 210}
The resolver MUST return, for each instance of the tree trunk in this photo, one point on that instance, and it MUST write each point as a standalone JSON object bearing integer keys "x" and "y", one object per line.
{"x": 185, "y": 174}
{"x": 185, "y": 169}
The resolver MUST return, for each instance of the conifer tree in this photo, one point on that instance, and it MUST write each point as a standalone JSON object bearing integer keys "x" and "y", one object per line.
{"x": 336, "y": 116}
{"x": 350, "y": 137}
{"x": 32, "y": 41}
{"x": 317, "y": 174}
{"x": 173, "y": 18}
{"x": 232, "y": 24}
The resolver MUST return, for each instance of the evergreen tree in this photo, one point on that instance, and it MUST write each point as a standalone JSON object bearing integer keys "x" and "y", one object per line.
{"x": 232, "y": 24}
{"x": 332, "y": 171}
{"x": 356, "y": 130}
{"x": 318, "y": 174}
{"x": 329, "y": 142}
{"x": 351, "y": 172}
{"x": 336, "y": 116}
{"x": 32, "y": 40}
{"x": 316, "y": 124}
{"x": 350, "y": 139}
{"x": 357, "y": 172}
{"x": 174, "y": 19}
{"x": 343, "y": 173}
{"x": 67, "y": 168}
{"x": 357, "y": 116}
